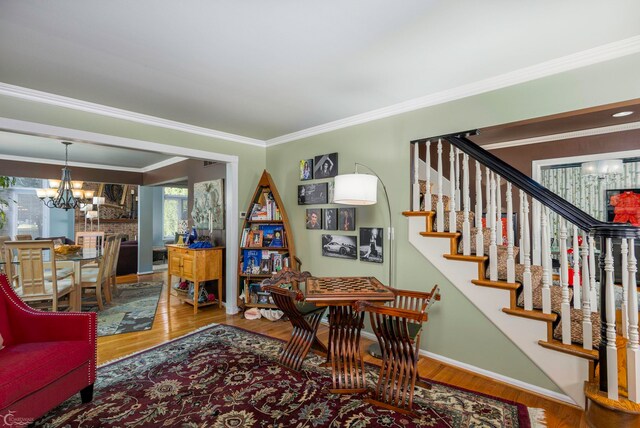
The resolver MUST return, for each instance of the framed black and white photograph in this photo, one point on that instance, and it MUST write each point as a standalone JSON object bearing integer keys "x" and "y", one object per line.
{"x": 371, "y": 244}
{"x": 331, "y": 188}
{"x": 312, "y": 194}
{"x": 330, "y": 219}
{"x": 325, "y": 166}
{"x": 306, "y": 169}
{"x": 340, "y": 246}
{"x": 346, "y": 219}
{"x": 314, "y": 218}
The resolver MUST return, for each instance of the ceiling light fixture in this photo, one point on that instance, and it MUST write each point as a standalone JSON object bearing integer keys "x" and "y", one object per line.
{"x": 64, "y": 193}
{"x": 622, "y": 113}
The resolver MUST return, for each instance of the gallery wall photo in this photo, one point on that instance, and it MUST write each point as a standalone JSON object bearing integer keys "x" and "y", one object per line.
{"x": 306, "y": 169}
{"x": 347, "y": 219}
{"x": 371, "y": 244}
{"x": 314, "y": 218}
{"x": 330, "y": 219}
{"x": 340, "y": 246}
{"x": 310, "y": 194}
{"x": 325, "y": 166}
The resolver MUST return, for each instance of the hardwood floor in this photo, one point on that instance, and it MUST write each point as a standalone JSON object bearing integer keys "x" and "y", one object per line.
{"x": 179, "y": 319}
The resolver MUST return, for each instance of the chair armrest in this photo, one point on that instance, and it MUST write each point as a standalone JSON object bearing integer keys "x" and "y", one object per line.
{"x": 364, "y": 306}
{"x": 418, "y": 294}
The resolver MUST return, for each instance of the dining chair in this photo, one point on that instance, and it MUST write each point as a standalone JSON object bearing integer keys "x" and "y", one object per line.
{"x": 90, "y": 239}
{"x": 398, "y": 327}
{"x": 93, "y": 278}
{"x": 36, "y": 282}
{"x": 305, "y": 317}
{"x": 24, "y": 238}
{"x": 114, "y": 264}
{"x": 3, "y": 239}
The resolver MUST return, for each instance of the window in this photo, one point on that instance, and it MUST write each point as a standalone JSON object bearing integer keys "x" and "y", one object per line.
{"x": 174, "y": 209}
{"x": 26, "y": 214}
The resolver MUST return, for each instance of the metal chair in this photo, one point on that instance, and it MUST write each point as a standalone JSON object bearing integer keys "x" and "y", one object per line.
{"x": 305, "y": 317}
{"x": 35, "y": 278}
{"x": 398, "y": 327}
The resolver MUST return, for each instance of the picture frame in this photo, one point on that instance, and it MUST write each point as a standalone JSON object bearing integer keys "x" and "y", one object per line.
{"x": 330, "y": 218}
{"x": 620, "y": 203}
{"x": 114, "y": 194}
{"x": 312, "y": 194}
{"x": 325, "y": 166}
{"x": 347, "y": 219}
{"x": 313, "y": 219}
{"x": 371, "y": 244}
{"x": 255, "y": 238}
{"x": 306, "y": 169}
{"x": 340, "y": 246}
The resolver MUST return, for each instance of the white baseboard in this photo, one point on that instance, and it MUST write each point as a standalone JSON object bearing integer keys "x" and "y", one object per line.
{"x": 144, "y": 273}
{"x": 487, "y": 373}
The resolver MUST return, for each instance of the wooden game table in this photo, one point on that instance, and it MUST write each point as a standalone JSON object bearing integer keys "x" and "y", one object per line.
{"x": 345, "y": 324}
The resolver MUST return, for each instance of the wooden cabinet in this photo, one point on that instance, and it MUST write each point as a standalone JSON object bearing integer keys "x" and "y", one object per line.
{"x": 196, "y": 265}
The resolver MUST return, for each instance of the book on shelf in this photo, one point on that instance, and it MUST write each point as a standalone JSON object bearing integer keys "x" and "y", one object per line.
{"x": 251, "y": 261}
{"x": 272, "y": 235}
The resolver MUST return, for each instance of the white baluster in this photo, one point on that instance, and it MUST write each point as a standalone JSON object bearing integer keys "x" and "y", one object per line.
{"x": 546, "y": 263}
{"x": 587, "y": 328}
{"x": 499, "y": 235}
{"x": 487, "y": 185}
{"x": 526, "y": 276}
{"x": 440, "y": 205}
{"x": 511, "y": 263}
{"x": 452, "y": 196}
{"x": 479, "y": 234}
{"x": 577, "y": 300}
{"x": 610, "y": 312}
{"x": 416, "y": 178}
{"x": 633, "y": 353}
{"x": 493, "y": 249}
{"x": 427, "y": 192}
{"x": 521, "y": 240}
{"x": 564, "y": 281}
{"x": 593, "y": 295}
{"x": 625, "y": 287}
{"x": 458, "y": 194}
{"x": 466, "y": 226}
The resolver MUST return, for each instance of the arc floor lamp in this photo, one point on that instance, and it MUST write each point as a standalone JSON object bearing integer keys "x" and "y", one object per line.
{"x": 362, "y": 189}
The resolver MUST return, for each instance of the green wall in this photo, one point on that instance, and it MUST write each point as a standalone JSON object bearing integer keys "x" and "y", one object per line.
{"x": 456, "y": 329}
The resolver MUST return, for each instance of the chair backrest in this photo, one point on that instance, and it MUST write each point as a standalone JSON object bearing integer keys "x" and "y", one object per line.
{"x": 107, "y": 257}
{"x": 31, "y": 266}
{"x": 24, "y": 238}
{"x": 287, "y": 276}
{"x": 412, "y": 306}
{"x": 3, "y": 239}
{"x": 116, "y": 254}
{"x": 90, "y": 239}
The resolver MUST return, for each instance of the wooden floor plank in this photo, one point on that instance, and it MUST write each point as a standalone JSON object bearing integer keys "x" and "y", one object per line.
{"x": 178, "y": 319}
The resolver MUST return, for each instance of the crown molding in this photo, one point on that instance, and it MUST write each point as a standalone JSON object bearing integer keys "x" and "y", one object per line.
{"x": 73, "y": 164}
{"x": 75, "y": 104}
{"x": 564, "y": 136}
{"x": 574, "y": 61}
{"x": 162, "y": 164}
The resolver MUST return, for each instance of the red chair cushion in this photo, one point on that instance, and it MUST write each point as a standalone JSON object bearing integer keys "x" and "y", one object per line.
{"x": 29, "y": 367}
{"x": 5, "y": 329}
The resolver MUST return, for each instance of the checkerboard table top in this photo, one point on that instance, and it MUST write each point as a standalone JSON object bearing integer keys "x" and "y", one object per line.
{"x": 330, "y": 290}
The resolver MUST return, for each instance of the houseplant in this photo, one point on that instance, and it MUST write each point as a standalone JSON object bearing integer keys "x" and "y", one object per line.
{"x": 5, "y": 182}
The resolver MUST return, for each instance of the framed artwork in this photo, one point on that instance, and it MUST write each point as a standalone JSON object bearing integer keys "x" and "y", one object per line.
{"x": 623, "y": 206}
{"x": 314, "y": 218}
{"x": 340, "y": 246}
{"x": 208, "y": 205}
{"x": 114, "y": 194}
{"x": 330, "y": 189}
{"x": 330, "y": 219}
{"x": 255, "y": 238}
{"x": 312, "y": 194}
{"x": 503, "y": 220}
{"x": 306, "y": 169}
{"x": 325, "y": 166}
{"x": 346, "y": 219}
{"x": 371, "y": 243}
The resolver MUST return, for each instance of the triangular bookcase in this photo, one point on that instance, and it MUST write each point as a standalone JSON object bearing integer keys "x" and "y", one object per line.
{"x": 265, "y": 212}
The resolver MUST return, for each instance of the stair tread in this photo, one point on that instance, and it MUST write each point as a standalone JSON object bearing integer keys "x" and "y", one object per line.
{"x": 570, "y": 349}
{"x": 441, "y": 234}
{"x": 622, "y": 404}
{"x": 576, "y": 328}
{"x": 538, "y": 315}
{"x": 496, "y": 284}
{"x": 461, "y": 257}
{"x": 418, "y": 213}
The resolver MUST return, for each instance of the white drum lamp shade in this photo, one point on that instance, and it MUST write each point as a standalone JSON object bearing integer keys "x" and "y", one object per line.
{"x": 355, "y": 189}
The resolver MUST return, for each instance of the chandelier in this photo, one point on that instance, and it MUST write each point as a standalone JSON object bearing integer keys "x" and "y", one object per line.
{"x": 64, "y": 193}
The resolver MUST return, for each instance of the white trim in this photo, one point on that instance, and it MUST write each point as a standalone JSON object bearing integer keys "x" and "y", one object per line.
{"x": 559, "y": 65}
{"x": 145, "y": 273}
{"x": 231, "y": 237}
{"x": 162, "y": 164}
{"x": 564, "y": 136}
{"x": 487, "y": 373}
{"x": 61, "y": 162}
{"x": 536, "y": 165}
{"x": 75, "y": 104}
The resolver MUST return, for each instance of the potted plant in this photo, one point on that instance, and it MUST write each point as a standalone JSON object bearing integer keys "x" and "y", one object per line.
{"x": 5, "y": 182}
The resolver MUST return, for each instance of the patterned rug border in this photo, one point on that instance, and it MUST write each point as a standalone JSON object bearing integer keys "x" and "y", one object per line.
{"x": 534, "y": 415}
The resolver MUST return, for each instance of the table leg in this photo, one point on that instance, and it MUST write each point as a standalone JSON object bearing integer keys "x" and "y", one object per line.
{"x": 168, "y": 288}
{"x": 347, "y": 365}
{"x": 196, "y": 296}
{"x": 220, "y": 293}
{"x": 77, "y": 277}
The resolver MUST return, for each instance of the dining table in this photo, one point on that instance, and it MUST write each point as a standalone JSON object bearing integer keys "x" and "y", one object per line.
{"x": 345, "y": 324}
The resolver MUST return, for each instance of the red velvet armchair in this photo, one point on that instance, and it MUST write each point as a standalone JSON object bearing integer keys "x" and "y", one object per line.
{"x": 47, "y": 357}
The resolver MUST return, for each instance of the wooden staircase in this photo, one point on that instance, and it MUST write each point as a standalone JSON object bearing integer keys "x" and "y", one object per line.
{"x": 578, "y": 375}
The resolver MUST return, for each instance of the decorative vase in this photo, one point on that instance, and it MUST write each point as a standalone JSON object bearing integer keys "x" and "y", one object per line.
{"x": 193, "y": 236}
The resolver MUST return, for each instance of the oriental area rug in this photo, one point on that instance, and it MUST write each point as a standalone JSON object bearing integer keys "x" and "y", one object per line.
{"x": 223, "y": 376}
{"x": 132, "y": 308}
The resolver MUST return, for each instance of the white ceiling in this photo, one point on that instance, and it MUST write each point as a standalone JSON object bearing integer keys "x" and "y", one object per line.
{"x": 262, "y": 69}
